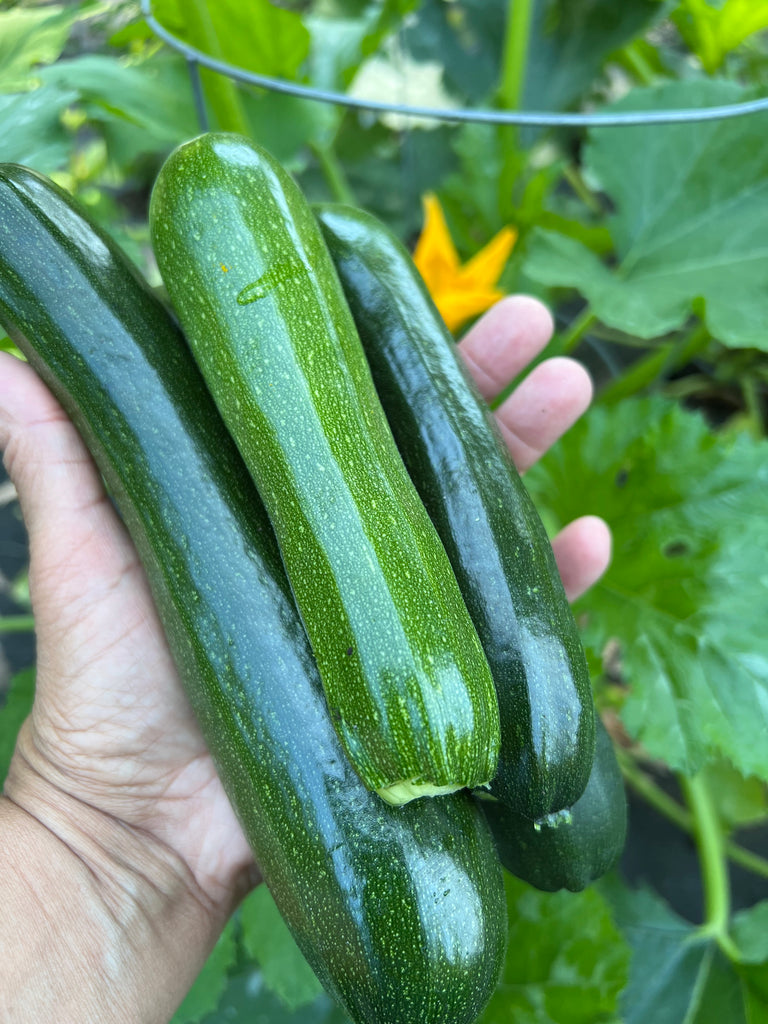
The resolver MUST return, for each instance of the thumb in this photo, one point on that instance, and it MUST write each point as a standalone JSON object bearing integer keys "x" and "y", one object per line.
{"x": 75, "y": 535}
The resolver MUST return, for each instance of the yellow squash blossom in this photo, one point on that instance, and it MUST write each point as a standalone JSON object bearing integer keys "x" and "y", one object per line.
{"x": 459, "y": 291}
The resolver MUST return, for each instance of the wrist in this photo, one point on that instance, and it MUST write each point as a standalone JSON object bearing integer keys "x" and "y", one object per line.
{"x": 103, "y": 923}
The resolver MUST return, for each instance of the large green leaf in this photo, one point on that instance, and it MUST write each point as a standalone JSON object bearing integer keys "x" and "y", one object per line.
{"x": 750, "y": 932}
{"x": 686, "y": 594}
{"x": 30, "y": 37}
{"x": 389, "y": 173}
{"x": 676, "y": 975}
{"x": 258, "y": 36}
{"x": 336, "y": 49}
{"x": 465, "y": 38}
{"x": 713, "y": 32}
{"x": 285, "y": 124}
{"x": 211, "y": 982}
{"x": 148, "y": 107}
{"x": 566, "y": 963}
{"x": 342, "y": 39}
{"x": 267, "y": 940}
{"x": 738, "y": 801}
{"x": 569, "y": 43}
{"x": 247, "y": 1000}
{"x": 31, "y": 130}
{"x": 153, "y": 100}
{"x": 690, "y": 226}
{"x": 18, "y": 703}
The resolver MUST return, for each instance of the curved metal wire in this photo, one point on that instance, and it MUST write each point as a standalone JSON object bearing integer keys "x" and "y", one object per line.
{"x": 196, "y": 59}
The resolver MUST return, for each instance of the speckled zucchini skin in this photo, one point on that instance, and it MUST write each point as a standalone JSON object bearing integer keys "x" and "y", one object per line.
{"x": 247, "y": 271}
{"x": 399, "y": 911}
{"x": 491, "y": 530}
{"x": 575, "y": 853}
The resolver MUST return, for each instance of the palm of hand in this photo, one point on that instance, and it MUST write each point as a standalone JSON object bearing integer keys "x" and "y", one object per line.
{"x": 111, "y": 725}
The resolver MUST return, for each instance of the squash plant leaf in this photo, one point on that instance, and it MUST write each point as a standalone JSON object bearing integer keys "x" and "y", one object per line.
{"x": 566, "y": 962}
{"x": 750, "y": 933}
{"x": 211, "y": 981}
{"x": 739, "y": 802}
{"x": 336, "y": 48}
{"x": 690, "y": 222}
{"x": 342, "y": 40}
{"x": 386, "y": 17}
{"x": 31, "y": 130}
{"x": 18, "y": 703}
{"x": 676, "y": 975}
{"x": 258, "y": 36}
{"x": 150, "y": 102}
{"x": 569, "y": 43}
{"x": 247, "y": 1000}
{"x": 713, "y": 32}
{"x": 685, "y": 596}
{"x": 30, "y": 37}
{"x": 267, "y": 940}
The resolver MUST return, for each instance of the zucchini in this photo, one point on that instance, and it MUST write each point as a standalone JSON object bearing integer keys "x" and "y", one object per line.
{"x": 494, "y": 537}
{"x": 399, "y": 911}
{"x": 248, "y": 273}
{"x": 575, "y": 853}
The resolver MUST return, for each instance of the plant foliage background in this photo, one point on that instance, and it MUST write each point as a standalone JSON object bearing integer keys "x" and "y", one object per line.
{"x": 650, "y": 245}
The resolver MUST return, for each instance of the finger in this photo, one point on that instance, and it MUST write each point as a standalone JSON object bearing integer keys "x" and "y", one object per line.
{"x": 74, "y": 533}
{"x": 543, "y": 407}
{"x": 504, "y": 341}
{"x": 582, "y": 552}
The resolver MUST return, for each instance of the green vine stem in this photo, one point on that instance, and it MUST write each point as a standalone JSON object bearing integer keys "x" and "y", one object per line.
{"x": 333, "y": 172}
{"x": 654, "y": 795}
{"x": 747, "y": 859}
{"x": 658, "y": 363}
{"x": 667, "y": 806}
{"x": 575, "y": 179}
{"x": 220, "y": 91}
{"x": 635, "y": 61}
{"x": 510, "y": 97}
{"x": 17, "y": 624}
{"x": 712, "y": 858}
{"x": 515, "y": 59}
{"x": 569, "y": 339}
{"x": 751, "y": 396}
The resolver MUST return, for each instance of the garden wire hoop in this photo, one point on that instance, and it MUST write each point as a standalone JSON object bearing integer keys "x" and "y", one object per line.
{"x": 543, "y": 119}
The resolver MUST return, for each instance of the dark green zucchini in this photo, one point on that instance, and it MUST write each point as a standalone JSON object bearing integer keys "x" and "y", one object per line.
{"x": 399, "y": 911}
{"x": 250, "y": 277}
{"x": 574, "y": 853}
{"x": 493, "y": 535}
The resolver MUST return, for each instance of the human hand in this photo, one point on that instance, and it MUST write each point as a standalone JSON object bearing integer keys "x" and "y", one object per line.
{"x": 542, "y": 407}
{"x": 111, "y": 747}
